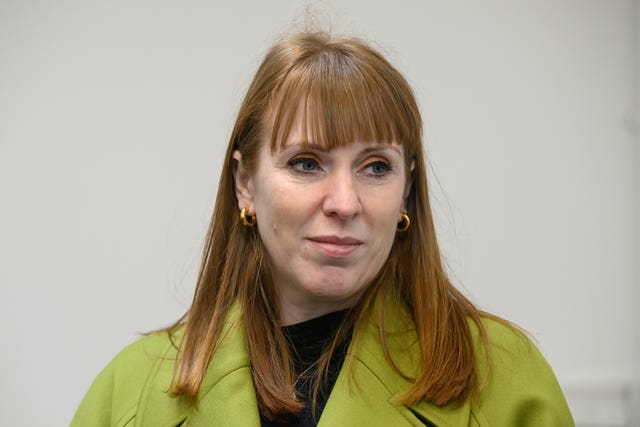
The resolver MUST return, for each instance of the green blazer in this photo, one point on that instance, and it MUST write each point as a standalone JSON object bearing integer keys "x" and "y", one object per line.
{"x": 521, "y": 389}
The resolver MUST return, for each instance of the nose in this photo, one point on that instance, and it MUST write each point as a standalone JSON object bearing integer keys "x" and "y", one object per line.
{"x": 341, "y": 198}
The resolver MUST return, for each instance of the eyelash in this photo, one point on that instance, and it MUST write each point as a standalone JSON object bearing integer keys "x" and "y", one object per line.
{"x": 386, "y": 166}
{"x": 296, "y": 164}
{"x": 299, "y": 161}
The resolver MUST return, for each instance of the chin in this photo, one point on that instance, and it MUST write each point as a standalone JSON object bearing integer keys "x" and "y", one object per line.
{"x": 338, "y": 290}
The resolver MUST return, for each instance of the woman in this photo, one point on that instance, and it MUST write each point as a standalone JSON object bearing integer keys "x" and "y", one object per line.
{"x": 322, "y": 298}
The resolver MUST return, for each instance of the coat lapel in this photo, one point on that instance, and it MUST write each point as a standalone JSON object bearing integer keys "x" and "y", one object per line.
{"x": 371, "y": 395}
{"x": 226, "y": 397}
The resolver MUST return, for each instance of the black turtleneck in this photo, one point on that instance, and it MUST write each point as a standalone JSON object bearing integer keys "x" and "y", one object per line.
{"x": 307, "y": 341}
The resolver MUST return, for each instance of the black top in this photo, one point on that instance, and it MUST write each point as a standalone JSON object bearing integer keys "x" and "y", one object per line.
{"x": 306, "y": 343}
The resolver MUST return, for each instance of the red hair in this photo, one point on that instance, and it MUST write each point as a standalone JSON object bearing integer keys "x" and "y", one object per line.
{"x": 350, "y": 92}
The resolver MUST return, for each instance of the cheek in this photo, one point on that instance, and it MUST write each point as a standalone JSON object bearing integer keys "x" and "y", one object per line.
{"x": 387, "y": 210}
{"x": 384, "y": 224}
{"x": 388, "y": 215}
{"x": 278, "y": 207}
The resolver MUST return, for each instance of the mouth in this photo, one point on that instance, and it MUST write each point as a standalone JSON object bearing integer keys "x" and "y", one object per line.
{"x": 335, "y": 246}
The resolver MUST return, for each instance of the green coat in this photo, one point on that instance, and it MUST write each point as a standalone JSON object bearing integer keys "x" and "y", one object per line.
{"x": 521, "y": 389}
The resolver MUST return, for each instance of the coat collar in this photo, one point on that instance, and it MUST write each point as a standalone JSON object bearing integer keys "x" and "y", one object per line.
{"x": 367, "y": 397}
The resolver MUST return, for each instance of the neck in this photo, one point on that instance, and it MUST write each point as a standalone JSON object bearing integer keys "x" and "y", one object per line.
{"x": 291, "y": 314}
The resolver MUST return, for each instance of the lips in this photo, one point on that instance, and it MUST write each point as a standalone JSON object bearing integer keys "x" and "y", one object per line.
{"x": 335, "y": 246}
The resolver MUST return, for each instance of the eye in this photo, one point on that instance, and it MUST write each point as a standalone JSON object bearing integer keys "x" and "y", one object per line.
{"x": 304, "y": 164}
{"x": 377, "y": 168}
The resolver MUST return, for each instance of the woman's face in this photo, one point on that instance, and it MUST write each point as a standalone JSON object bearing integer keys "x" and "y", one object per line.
{"x": 327, "y": 218}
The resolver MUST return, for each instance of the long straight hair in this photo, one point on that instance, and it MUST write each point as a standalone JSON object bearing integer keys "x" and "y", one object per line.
{"x": 348, "y": 92}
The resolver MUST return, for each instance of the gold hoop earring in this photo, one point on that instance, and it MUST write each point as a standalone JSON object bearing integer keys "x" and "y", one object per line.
{"x": 247, "y": 220}
{"x": 404, "y": 224}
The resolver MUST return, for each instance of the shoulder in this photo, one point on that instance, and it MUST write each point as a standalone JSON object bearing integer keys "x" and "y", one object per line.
{"x": 113, "y": 396}
{"x": 518, "y": 387}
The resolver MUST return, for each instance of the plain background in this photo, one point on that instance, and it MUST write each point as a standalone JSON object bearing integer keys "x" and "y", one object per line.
{"x": 114, "y": 117}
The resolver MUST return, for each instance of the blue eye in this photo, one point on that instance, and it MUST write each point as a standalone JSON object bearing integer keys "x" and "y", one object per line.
{"x": 303, "y": 164}
{"x": 377, "y": 168}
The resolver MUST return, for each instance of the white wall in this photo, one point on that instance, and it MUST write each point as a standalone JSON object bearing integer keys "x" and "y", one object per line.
{"x": 114, "y": 117}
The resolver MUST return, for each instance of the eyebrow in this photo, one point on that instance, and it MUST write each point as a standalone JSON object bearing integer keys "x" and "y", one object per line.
{"x": 324, "y": 149}
{"x": 379, "y": 147}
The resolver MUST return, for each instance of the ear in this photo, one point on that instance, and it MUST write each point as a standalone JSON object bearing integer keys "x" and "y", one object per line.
{"x": 243, "y": 184}
{"x": 408, "y": 185}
